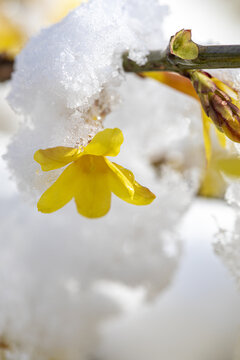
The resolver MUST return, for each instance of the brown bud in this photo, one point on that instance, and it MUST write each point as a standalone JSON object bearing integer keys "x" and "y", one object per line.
{"x": 219, "y": 101}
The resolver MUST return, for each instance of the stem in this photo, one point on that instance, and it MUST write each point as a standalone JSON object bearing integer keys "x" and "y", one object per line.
{"x": 209, "y": 57}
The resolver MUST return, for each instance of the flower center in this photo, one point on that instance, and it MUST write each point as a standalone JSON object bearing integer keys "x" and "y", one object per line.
{"x": 92, "y": 163}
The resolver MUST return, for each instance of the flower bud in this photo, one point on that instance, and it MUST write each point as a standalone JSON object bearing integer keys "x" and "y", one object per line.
{"x": 182, "y": 46}
{"x": 219, "y": 101}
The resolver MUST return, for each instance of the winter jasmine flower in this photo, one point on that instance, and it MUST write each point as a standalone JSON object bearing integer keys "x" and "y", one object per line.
{"x": 91, "y": 177}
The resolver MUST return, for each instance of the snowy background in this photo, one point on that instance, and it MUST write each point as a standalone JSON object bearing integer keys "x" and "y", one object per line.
{"x": 141, "y": 283}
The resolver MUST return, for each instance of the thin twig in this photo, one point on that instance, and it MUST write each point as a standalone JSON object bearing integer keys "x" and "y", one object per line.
{"x": 209, "y": 57}
{"x": 6, "y": 67}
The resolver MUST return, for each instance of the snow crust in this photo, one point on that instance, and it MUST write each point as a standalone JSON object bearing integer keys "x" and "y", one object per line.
{"x": 66, "y": 78}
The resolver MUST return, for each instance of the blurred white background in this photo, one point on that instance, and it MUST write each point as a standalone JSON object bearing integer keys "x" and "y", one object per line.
{"x": 193, "y": 315}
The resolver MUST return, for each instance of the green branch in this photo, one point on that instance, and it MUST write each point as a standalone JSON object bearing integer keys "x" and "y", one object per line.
{"x": 183, "y": 54}
{"x": 209, "y": 57}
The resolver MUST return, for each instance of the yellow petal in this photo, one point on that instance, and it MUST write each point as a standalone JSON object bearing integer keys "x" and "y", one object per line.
{"x": 11, "y": 37}
{"x": 141, "y": 196}
{"x": 230, "y": 166}
{"x": 61, "y": 192}
{"x": 206, "y": 135}
{"x": 57, "y": 157}
{"x": 62, "y": 9}
{"x": 213, "y": 184}
{"x": 221, "y": 137}
{"x": 119, "y": 183}
{"x": 175, "y": 81}
{"x": 105, "y": 143}
{"x": 92, "y": 194}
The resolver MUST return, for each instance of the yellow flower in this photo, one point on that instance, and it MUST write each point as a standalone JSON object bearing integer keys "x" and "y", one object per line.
{"x": 11, "y": 36}
{"x": 63, "y": 8}
{"x": 91, "y": 177}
